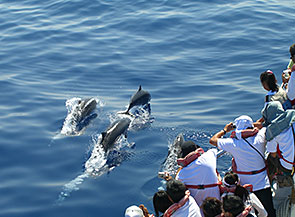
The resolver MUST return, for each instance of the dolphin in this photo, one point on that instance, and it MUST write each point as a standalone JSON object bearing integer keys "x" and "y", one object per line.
{"x": 114, "y": 131}
{"x": 170, "y": 163}
{"x": 80, "y": 113}
{"x": 86, "y": 106}
{"x": 141, "y": 97}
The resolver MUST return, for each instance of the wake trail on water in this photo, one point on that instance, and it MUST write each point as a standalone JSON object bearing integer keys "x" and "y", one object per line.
{"x": 95, "y": 166}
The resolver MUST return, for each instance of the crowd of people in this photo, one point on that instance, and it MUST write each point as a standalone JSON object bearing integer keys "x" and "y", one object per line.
{"x": 261, "y": 152}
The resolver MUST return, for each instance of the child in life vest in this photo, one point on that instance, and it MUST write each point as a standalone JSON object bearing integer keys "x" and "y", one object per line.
{"x": 231, "y": 186}
{"x": 275, "y": 92}
{"x": 198, "y": 171}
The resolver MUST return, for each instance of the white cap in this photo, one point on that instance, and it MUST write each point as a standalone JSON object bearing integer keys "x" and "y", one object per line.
{"x": 133, "y": 211}
{"x": 242, "y": 123}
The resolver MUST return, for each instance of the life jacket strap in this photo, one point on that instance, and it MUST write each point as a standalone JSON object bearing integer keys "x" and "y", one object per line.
{"x": 281, "y": 156}
{"x": 203, "y": 186}
{"x": 251, "y": 172}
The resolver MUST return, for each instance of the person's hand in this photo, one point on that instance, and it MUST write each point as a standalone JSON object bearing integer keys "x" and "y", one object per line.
{"x": 286, "y": 76}
{"x": 229, "y": 127}
{"x": 259, "y": 123}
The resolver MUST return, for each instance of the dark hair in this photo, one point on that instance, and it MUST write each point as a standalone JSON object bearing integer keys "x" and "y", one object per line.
{"x": 232, "y": 179}
{"x": 292, "y": 50}
{"x": 211, "y": 207}
{"x": 176, "y": 190}
{"x": 233, "y": 204}
{"x": 187, "y": 147}
{"x": 161, "y": 202}
{"x": 269, "y": 78}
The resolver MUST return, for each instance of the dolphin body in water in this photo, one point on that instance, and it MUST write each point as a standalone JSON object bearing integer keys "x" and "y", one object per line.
{"x": 80, "y": 113}
{"x": 141, "y": 97}
{"x": 114, "y": 131}
{"x": 170, "y": 163}
{"x": 86, "y": 106}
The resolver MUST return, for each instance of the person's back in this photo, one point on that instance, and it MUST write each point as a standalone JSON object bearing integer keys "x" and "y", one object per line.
{"x": 248, "y": 159}
{"x": 201, "y": 171}
{"x": 279, "y": 133}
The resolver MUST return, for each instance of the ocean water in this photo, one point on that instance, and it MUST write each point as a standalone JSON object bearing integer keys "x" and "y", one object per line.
{"x": 200, "y": 61}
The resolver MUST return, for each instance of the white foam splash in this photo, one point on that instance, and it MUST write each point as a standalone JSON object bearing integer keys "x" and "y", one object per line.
{"x": 140, "y": 118}
{"x": 170, "y": 164}
{"x": 69, "y": 127}
{"x": 71, "y": 186}
{"x": 96, "y": 164}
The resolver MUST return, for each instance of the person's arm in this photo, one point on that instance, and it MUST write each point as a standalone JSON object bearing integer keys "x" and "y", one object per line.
{"x": 256, "y": 203}
{"x": 259, "y": 123}
{"x": 226, "y": 129}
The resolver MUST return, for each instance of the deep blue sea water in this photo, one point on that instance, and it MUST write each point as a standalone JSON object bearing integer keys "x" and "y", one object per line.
{"x": 200, "y": 60}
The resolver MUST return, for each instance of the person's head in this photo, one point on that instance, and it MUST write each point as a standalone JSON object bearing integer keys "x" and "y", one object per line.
{"x": 187, "y": 147}
{"x": 233, "y": 205}
{"x": 211, "y": 207}
{"x": 176, "y": 190}
{"x": 161, "y": 202}
{"x": 269, "y": 81}
{"x": 292, "y": 52}
{"x": 230, "y": 180}
{"x": 133, "y": 211}
{"x": 271, "y": 111}
{"x": 243, "y": 122}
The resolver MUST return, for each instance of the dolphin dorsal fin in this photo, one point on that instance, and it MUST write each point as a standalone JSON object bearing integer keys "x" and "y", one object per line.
{"x": 139, "y": 89}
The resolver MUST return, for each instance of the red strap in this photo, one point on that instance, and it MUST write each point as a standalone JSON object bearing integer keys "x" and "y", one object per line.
{"x": 281, "y": 156}
{"x": 203, "y": 186}
{"x": 251, "y": 172}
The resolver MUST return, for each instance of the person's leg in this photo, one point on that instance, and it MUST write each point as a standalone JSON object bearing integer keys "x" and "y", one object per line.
{"x": 265, "y": 197}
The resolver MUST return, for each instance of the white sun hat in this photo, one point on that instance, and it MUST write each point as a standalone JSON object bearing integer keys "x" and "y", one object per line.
{"x": 133, "y": 211}
{"x": 242, "y": 123}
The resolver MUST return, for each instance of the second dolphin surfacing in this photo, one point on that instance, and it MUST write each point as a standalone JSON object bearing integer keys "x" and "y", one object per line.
{"x": 114, "y": 131}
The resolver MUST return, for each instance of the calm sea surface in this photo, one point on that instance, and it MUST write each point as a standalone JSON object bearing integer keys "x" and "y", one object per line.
{"x": 200, "y": 60}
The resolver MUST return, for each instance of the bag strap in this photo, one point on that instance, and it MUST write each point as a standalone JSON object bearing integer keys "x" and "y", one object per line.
{"x": 257, "y": 150}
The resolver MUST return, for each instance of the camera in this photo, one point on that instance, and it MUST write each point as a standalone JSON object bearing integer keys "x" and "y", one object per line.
{"x": 286, "y": 73}
{"x": 163, "y": 175}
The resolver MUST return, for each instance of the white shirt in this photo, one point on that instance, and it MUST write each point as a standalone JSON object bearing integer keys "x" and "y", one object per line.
{"x": 286, "y": 145}
{"x": 248, "y": 159}
{"x": 190, "y": 209}
{"x": 202, "y": 171}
